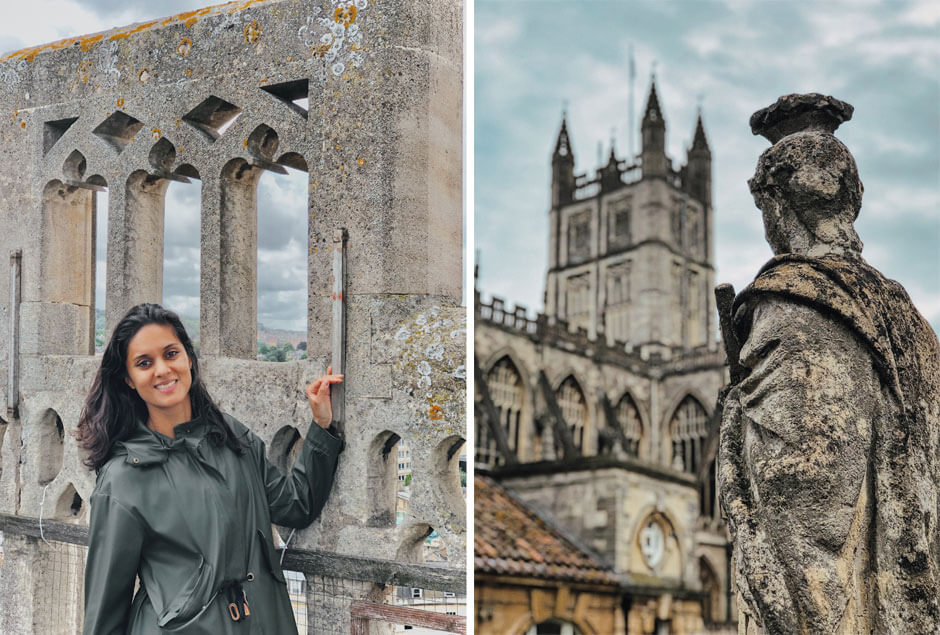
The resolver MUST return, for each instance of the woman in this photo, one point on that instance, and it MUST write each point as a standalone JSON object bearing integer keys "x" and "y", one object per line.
{"x": 185, "y": 495}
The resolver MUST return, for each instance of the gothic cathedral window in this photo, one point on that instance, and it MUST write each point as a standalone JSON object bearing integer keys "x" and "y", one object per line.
{"x": 629, "y": 419}
{"x": 618, "y": 231}
{"x": 578, "y": 300}
{"x": 688, "y": 429}
{"x": 573, "y": 409}
{"x": 617, "y": 313}
{"x": 579, "y": 237}
{"x": 508, "y": 396}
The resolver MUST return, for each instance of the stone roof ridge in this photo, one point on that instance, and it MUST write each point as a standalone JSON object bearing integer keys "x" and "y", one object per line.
{"x": 87, "y": 42}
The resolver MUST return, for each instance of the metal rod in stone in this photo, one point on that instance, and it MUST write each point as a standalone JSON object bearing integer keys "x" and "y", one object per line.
{"x": 13, "y": 345}
{"x": 800, "y": 113}
{"x": 337, "y": 391}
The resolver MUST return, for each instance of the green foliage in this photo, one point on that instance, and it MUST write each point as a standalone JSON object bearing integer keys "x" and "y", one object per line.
{"x": 407, "y": 480}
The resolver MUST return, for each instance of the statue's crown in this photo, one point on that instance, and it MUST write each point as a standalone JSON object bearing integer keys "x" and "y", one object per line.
{"x": 800, "y": 113}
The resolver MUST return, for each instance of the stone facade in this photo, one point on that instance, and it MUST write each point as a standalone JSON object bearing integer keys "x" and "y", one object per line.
{"x": 606, "y": 400}
{"x": 213, "y": 95}
{"x": 513, "y": 606}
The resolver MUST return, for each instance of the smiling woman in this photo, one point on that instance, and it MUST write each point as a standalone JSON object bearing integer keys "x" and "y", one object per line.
{"x": 159, "y": 369}
{"x": 196, "y": 483}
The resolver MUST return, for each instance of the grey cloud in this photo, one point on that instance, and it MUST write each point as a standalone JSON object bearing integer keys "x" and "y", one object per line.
{"x": 282, "y": 274}
{"x": 282, "y": 210}
{"x": 741, "y": 57}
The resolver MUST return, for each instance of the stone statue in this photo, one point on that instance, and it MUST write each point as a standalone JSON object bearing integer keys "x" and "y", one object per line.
{"x": 829, "y": 459}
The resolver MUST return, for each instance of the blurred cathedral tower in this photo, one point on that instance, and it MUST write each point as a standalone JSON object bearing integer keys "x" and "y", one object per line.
{"x": 630, "y": 250}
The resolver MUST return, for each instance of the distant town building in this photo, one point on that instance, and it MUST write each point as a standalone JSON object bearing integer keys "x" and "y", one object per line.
{"x": 598, "y": 413}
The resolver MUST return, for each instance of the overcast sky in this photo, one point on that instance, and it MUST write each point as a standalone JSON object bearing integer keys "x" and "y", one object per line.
{"x": 737, "y": 57}
{"x": 282, "y": 200}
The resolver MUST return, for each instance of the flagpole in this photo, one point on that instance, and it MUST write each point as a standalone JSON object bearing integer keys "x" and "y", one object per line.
{"x": 631, "y": 150}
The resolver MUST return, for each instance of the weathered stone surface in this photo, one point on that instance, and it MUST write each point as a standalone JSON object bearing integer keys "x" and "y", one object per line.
{"x": 828, "y": 462}
{"x": 131, "y": 109}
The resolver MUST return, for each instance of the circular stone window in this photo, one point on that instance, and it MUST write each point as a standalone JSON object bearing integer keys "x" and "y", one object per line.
{"x": 652, "y": 542}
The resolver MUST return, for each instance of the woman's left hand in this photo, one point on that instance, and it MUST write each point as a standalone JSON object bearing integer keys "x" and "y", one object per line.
{"x": 318, "y": 394}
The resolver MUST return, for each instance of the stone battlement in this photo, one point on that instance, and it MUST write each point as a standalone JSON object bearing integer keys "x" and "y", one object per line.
{"x": 363, "y": 97}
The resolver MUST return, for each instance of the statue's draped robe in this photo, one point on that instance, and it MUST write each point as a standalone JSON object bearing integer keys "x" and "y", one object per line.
{"x": 829, "y": 462}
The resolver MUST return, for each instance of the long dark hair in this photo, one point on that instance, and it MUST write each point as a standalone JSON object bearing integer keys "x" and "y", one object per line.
{"x": 113, "y": 408}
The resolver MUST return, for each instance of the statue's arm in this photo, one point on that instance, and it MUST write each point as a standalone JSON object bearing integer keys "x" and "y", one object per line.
{"x": 805, "y": 416}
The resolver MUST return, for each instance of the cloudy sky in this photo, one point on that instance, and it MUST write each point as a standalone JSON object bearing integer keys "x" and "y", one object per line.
{"x": 533, "y": 58}
{"x": 282, "y": 200}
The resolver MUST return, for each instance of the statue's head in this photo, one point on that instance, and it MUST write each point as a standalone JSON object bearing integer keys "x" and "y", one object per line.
{"x": 806, "y": 185}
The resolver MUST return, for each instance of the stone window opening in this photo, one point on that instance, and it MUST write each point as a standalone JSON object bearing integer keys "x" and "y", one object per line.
{"x": 578, "y": 301}
{"x": 618, "y": 232}
{"x": 711, "y": 606}
{"x": 182, "y": 234}
{"x": 508, "y": 394}
{"x": 294, "y": 94}
{"x": 708, "y": 494}
{"x": 579, "y": 237}
{"x": 617, "y": 312}
{"x": 212, "y": 117}
{"x": 688, "y": 430}
{"x": 69, "y": 506}
{"x": 628, "y": 416}
{"x": 448, "y": 477}
{"x": 574, "y": 410}
{"x": 118, "y": 130}
{"x": 48, "y": 446}
{"x": 101, "y": 203}
{"x": 485, "y": 454}
{"x": 382, "y": 479}
{"x": 52, "y": 131}
{"x": 282, "y": 241}
{"x": 694, "y": 233}
{"x": 417, "y": 544}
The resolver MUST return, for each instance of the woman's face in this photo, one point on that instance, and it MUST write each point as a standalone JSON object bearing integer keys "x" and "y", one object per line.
{"x": 159, "y": 370}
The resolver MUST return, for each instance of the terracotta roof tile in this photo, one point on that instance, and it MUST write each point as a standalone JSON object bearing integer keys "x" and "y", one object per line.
{"x": 510, "y": 538}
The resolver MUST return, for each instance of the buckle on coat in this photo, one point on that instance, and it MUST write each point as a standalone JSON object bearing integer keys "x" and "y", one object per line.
{"x": 232, "y": 590}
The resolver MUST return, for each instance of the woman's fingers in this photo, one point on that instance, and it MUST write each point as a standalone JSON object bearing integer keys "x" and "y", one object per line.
{"x": 320, "y": 386}
{"x": 318, "y": 394}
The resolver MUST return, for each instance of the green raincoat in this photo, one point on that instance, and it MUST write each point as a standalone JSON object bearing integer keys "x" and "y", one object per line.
{"x": 193, "y": 521}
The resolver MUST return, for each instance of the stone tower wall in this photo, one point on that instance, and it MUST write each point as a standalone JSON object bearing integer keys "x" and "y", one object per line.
{"x": 132, "y": 109}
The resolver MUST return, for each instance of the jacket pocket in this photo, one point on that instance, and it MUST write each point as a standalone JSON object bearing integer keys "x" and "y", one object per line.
{"x": 193, "y": 598}
{"x": 270, "y": 557}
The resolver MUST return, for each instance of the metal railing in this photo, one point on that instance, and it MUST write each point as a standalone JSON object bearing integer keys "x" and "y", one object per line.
{"x": 331, "y": 594}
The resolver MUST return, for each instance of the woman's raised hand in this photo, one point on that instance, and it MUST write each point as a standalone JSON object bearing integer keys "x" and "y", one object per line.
{"x": 318, "y": 394}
